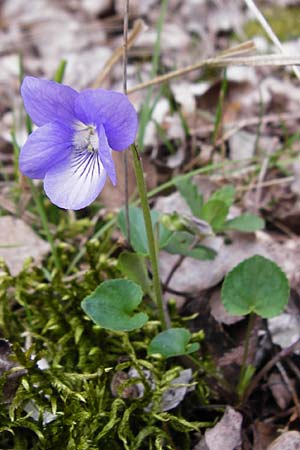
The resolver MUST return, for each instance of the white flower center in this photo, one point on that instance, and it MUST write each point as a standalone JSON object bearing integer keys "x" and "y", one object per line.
{"x": 85, "y": 138}
{"x": 85, "y": 160}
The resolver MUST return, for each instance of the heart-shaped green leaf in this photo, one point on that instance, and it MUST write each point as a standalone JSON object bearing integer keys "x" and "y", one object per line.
{"x": 256, "y": 285}
{"x": 172, "y": 342}
{"x": 112, "y": 305}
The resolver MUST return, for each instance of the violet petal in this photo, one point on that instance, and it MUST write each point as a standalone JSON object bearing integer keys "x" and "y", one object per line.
{"x": 76, "y": 182}
{"x": 47, "y": 101}
{"x": 111, "y": 109}
{"x": 106, "y": 156}
{"x": 45, "y": 147}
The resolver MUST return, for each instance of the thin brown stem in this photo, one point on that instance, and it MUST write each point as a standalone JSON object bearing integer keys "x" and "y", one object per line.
{"x": 173, "y": 270}
{"x": 223, "y": 61}
{"x": 125, "y": 38}
{"x": 289, "y": 386}
{"x": 138, "y": 27}
{"x": 125, "y": 157}
{"x": 178, "y": 263}
{"x": 282, "y": 354}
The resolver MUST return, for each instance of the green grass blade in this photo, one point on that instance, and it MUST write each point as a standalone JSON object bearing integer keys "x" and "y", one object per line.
{"x": 146, "y": 109}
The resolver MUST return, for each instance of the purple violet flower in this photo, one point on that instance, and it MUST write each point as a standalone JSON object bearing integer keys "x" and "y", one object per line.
{"x": 72, "y": 148}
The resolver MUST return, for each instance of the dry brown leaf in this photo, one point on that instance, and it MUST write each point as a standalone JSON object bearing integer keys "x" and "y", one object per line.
{"x": 242, "y": 145}
{"x": 279, "y": 390}
{"x": 287, "y": 441}
{"x": 218, "y": 311}
{"x": 226, "y": 435}
{"x": 96, "y": 7}
{"x": 136, "y": 7}
{"x": 264, "y": 433}
{"x": 235, "y": 355}
{"x": 19, "y": 242}
{"x": 285, "y": 329}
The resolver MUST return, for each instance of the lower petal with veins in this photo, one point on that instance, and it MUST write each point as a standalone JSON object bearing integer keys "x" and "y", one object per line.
{"x": 77, "y": 181}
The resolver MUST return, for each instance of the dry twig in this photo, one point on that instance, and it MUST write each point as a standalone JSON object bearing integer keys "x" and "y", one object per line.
{"x": 125, "y": 157}
{"x": 289, "y": 386}
{"x": 223, "y": 61}
{"x": 282, "y": 354}
{"x": 260, "y": 17}
{"x": 138, "y": 27}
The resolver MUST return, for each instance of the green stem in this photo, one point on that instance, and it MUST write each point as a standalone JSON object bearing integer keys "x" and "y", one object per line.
{"x": 169, "y": 184}
{"x": 246, "y": 346}
{"x": 146, "y": 111}
{"x": 44, "y": 220}
{"x": 150, "y": 235}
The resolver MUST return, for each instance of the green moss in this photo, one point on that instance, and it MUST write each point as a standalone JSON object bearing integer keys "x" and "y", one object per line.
{"x": 283, "y": 21}
{"x": 43, "y": 319}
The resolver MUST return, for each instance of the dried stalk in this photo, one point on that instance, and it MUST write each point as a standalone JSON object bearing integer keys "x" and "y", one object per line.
{"x": 223, "y": 61}
{"x": 138, "y": 27}
{"x": 260, "y": 17}
{"x": 125, "y": 157}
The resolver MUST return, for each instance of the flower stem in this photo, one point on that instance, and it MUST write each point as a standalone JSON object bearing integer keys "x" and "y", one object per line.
{"x": 150, "y": 235}
{"x": 251, "y": 321}
{"x": 202, "y": 170}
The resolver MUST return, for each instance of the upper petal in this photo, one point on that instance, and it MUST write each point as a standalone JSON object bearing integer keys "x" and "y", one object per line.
{"x": 45, "y": 147}
{"x": 75, "y": 182}
{"x": 47, "y": 101}
{"x": 111, "y": 109}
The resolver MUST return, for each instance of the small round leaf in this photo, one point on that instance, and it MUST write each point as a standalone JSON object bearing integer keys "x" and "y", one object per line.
{"x": 112, "y": 305}
{"x": 172, "y": 342}
{"x": 255, "y": 285}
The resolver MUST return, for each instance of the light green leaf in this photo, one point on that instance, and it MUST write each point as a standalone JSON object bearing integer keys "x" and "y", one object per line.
{"x": 164, "y": 235}
{"x": 256, "y": 285}
{"x": 133, "y": 266}
{"x": 191, "y": 195}
{"x": 181, "y": 244}
{"x": 225, "y": 194}
{"x": 60, "y": 71}
{"x": 138, "y": 235}
{"x": 112, "y": 305}
{"x": 247, "y": 223}
{"x": 215, "y": 213}
{"x": 172, "y": 342}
